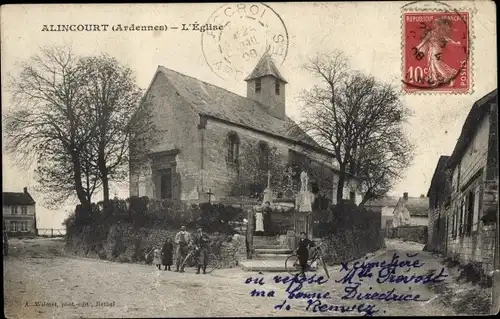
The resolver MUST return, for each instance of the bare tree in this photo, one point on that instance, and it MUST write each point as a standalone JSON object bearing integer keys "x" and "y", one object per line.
{"x": 47, "y": 123}
{"x": 356, "y": 117}
{"x": 112, "y": 103}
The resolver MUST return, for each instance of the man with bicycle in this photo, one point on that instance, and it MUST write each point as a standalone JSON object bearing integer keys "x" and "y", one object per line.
{"x": 183, "y": 240}
{"x": 201, "y": 243}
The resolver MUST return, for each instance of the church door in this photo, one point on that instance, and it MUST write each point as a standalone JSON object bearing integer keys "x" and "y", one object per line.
{"x": 166, "y": 184}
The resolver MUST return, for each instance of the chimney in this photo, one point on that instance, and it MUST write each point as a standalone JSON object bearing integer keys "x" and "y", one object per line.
{"x": 25, "y": 190}
{"x": 405, "y": 196}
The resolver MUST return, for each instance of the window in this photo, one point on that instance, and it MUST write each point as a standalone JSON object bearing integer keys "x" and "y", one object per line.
{"x": 166, "y": 184}
{"x": 470, "y": 212}
{"x": 13, "y": 226}
{"x": 263, "y": 156}
{"x": 257, "y": 85}
{"x": 24, "y": 226}
{"x": 13, "y": 210}
{"x": 461, "y": 220}
{"x": 233, "y": 148}
{"x": 454, "y": 224}
{"x": 24, "y": 210}
{"x": 277, "y": 87}
{"x": 475, "y": 218}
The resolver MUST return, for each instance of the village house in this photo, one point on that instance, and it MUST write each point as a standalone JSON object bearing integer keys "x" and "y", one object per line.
{"x": 472, "y": 216}
{"x": 411, "y": 211}
{"x": 206, "y": 131}
{"x": 19, "y": 213}
{"x": 439, "y": 195}
{"x": 386, "y": 207}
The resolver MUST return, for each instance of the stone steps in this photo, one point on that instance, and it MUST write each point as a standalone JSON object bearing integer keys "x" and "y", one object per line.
{"x": 268, "y": 256}
{"x": 273, "y": 251}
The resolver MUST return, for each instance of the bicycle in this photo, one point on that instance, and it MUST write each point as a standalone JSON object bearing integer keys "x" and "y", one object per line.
{"x": 190, "y": 260}
{"x": 292, "y": 264}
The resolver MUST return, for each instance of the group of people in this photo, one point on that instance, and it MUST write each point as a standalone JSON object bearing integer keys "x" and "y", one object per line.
{"x": 199, "y": 242}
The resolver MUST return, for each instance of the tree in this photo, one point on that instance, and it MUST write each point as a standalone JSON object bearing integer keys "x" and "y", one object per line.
{"x": 47, "y": 126}
{"x": 115, "y": 114}
{"x": 359, "y": 120}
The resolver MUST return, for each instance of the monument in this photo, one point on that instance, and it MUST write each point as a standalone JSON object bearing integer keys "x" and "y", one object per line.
{"x": 303, "y": 207}
{"x": 268, "y": 193}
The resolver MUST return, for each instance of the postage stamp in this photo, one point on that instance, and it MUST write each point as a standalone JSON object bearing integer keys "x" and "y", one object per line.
{"x": 436, "y": 52}
{"x": 248, "y": 30}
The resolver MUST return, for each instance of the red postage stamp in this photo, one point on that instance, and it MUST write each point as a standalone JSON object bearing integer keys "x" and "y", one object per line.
{"x": 436, "y": 52}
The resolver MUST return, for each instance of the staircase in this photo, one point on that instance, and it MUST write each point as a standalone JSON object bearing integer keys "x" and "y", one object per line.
{"x": 269, "y": 255}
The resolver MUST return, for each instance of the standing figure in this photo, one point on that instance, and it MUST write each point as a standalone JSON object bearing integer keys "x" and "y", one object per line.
{"x": 167, "y": 253}
{"x": 267, "y": 217}
{"x": 303, "y": 251}
{"x": 183, "y": 240}
{"x": 201, "y": 242}
{"x": 432, "y": 47}
{"x": 259, "y": 220}
{"x": 156, "y": 258}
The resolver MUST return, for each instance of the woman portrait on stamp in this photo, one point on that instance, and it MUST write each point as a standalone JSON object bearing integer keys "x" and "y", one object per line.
{"x": 432, "y": 46}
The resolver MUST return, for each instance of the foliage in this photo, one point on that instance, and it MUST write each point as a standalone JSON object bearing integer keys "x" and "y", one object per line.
{"x": 359, "y": 120}
{"x": 254, "y": 166}
{"x": 350, "y": 231}
{"x": 142, "y": 212}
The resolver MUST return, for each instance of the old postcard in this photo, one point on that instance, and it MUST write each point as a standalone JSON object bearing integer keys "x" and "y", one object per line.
{"x": 250, "y": 159}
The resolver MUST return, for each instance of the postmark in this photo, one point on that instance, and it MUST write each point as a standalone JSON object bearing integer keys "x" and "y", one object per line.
{"x": 248, "y": 31}
{"x": 436, "y": 51}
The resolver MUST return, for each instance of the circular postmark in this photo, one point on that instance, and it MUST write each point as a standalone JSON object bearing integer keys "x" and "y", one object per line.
{"x": 248, "y": 31}
{"x": 436, "y": 47}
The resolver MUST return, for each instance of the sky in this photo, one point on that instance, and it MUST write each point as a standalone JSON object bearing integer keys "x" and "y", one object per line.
{"x": 370, "y": 35}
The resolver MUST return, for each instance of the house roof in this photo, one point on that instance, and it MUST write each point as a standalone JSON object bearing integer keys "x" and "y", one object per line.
{"x": 479, "y": 109}
{"x": 213, "y": 101}
{"x": 390, "y": 201}
{"x": 440, "y": 168}
{"x": 417, "y": 206}
{"x": 11, "y": 199}
{"x": 265, "y": 67}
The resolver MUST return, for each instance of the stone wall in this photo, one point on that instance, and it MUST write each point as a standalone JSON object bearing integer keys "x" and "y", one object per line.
{"x": 479, "y": 247}
{"x": 437, "y": 230}
{"x": 416, "y": 234}
{"x": 125, "y": 243}
{"x": 219, "y": 173}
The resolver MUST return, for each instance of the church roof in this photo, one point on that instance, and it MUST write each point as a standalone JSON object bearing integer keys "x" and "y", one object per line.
{"x": 213, "y": 101}
{"x": 265, "y": 67}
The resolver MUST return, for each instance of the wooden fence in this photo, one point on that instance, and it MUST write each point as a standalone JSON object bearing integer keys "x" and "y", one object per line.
{"x": 51, "y": 232}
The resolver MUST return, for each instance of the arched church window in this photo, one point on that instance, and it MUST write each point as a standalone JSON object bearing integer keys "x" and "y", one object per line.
{"x": 277, "y": 86}
{"x": 233, "y": 148}
{"x": 263, "y": 156}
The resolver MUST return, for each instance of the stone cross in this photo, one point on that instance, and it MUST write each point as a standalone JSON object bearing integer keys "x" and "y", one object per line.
{"x": 209, "y": 193}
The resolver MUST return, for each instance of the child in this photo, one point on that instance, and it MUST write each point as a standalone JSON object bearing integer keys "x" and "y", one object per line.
{"x": 156, "y": 258}
{"x": 303, "y": 252}
{"x": 167, "y": 253}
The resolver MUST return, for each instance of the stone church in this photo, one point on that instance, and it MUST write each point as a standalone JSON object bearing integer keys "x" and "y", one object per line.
{"x": 206, "y": 130}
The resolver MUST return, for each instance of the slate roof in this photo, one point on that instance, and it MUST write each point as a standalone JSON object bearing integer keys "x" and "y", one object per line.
{"x": 265, "y": 67}
{"x": 479, "y": 109}
{"x": 12, "y": 199}
{"x": 390, "y": 201}
{"x": 208, "y": 99}
{"x": 440, "y": 168}
{"x": 417, "y": 206}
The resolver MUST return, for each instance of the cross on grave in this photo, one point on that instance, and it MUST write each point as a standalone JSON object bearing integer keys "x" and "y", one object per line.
{"x": 209, "y": 193}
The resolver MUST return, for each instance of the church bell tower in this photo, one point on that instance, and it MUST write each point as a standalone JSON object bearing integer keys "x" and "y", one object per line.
{"x": 266, "y": 85}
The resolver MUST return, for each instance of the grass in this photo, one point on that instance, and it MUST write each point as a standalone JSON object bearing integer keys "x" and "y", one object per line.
{"x": 469, "y": 292}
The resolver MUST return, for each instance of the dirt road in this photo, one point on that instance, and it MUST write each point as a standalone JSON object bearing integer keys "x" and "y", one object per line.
{"x": 41, "y": 282}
